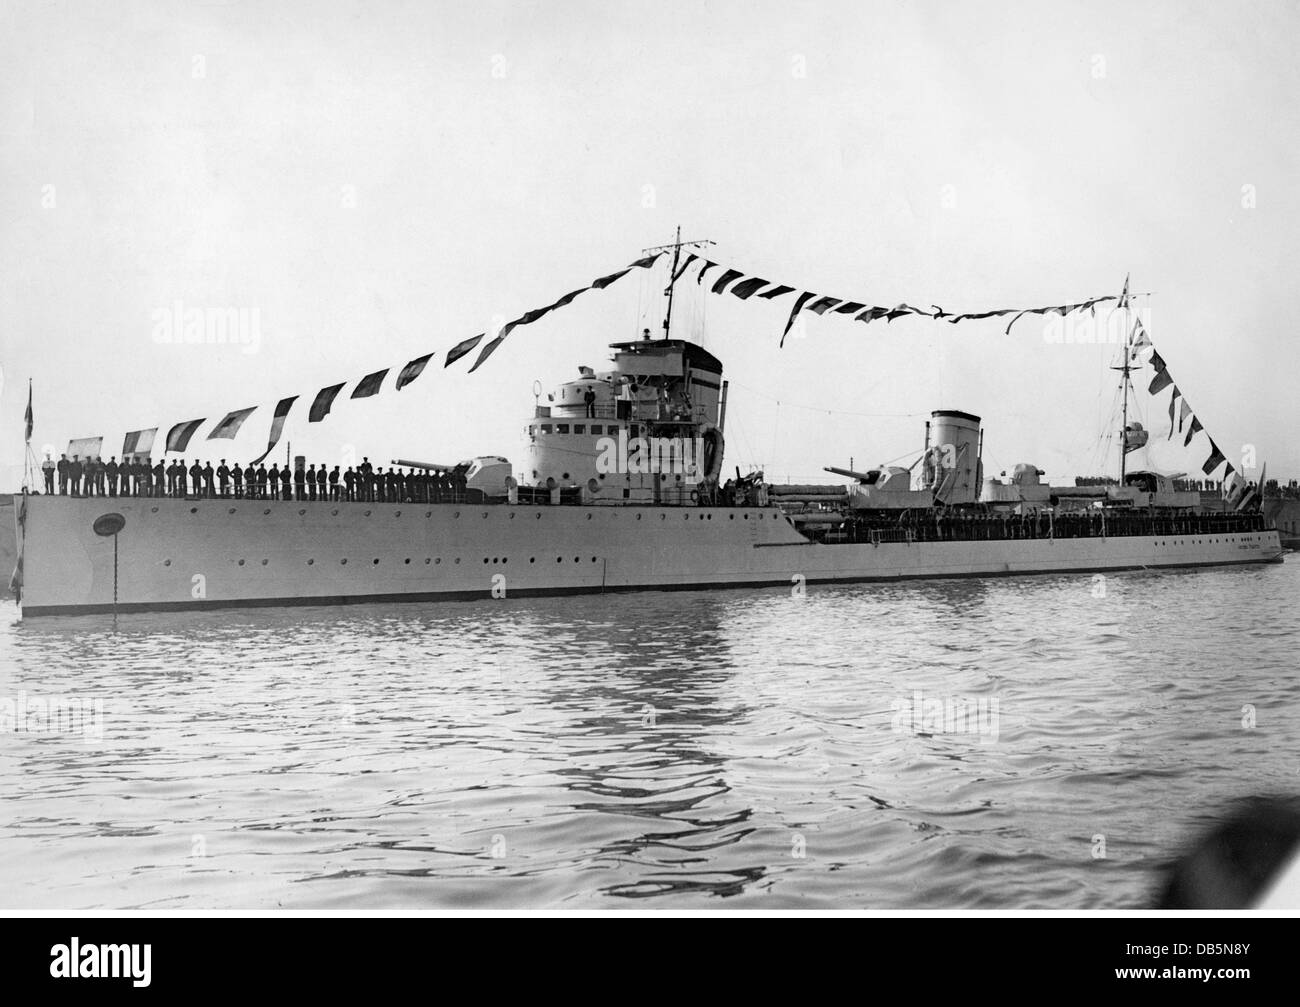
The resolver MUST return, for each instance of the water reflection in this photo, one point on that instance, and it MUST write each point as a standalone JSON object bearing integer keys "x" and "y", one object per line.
{"x": 678, "y": 748}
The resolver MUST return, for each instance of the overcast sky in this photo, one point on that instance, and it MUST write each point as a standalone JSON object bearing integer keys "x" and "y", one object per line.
{"x": 378, "y": 180}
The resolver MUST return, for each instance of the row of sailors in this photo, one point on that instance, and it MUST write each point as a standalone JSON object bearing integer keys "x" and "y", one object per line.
{"x": 94, "y": 477}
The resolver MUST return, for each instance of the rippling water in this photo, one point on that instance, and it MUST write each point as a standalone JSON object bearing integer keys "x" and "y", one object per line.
{"x": 733, "y": 749}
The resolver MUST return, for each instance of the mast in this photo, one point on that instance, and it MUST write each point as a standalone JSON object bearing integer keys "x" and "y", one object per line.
{"x": 1125, "y": 383}
{"x": 1123, "y": 429}
{"x": 677, "y": 254}
{"x": 676, "y": 245}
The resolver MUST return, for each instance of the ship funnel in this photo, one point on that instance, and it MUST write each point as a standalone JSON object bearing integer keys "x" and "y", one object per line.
{"x": 954, "y": 456}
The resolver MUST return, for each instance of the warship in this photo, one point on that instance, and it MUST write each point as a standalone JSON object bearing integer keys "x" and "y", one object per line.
{"x": 622, "y": 487}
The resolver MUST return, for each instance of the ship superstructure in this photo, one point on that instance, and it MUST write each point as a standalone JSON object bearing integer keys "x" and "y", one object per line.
{"x": 646, "y": 431}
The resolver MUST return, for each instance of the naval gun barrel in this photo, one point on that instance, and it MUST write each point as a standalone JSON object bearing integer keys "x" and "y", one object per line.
{"x": 803, "y": 491}
{"x": 859, "y": 476}
{"x": 428, "y": 466}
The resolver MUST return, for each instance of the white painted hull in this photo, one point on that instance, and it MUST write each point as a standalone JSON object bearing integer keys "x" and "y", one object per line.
{"x": 175, "y": 554}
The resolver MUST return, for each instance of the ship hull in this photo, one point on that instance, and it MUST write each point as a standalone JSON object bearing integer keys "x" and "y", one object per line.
{"x": 194, "y": 554}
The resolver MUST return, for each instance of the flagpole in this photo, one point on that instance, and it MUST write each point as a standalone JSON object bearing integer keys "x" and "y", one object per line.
{"x": 28, "y": 466}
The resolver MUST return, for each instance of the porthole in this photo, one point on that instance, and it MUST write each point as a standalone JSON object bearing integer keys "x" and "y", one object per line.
{"x": 638, "y": 517}
{"x": 456, "y": 514}
{"x": 485, "y": 559}
{"x": 397, "y": 513}
{"x": 576, "y": 559}
{"x": 241, "y": 562}
{"x": 485, "y": 513}
{"x": 194, "y": 510}
{"x": 505, "y": 560}
{"x": 267, "y": 511}
{"x": 167, "y": 562}
{"x": 458, "y": 561}
{"x": 532, "y": 559}
{"x": 344, "y": 562}
{"x": 559, "y": 559}
{"x": 593, "y": 559}
{"x": 538, "y": 515}
{"x": 231, "y": 511}
{"x": 311, "y": 562}
{"x": 588, "y": 517}
{"x": 512, "y": 515}
{"x": 335, "y": 512}
{"x": 407, "y": 561}
{"x": 302, "y": 511}
{"x": 264, "y": 562}
{"x": 375, "y": 562}
{"x": 663, "y": 517}
{"x": 153, "y": 510}
{"x": 367, "y": 513}
{"x": 428, "y": 513}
